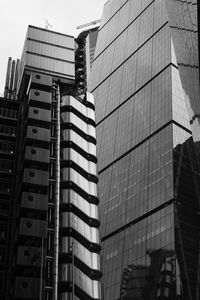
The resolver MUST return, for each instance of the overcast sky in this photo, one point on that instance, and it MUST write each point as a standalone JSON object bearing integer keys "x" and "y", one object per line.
{"x": 63, "y": 15}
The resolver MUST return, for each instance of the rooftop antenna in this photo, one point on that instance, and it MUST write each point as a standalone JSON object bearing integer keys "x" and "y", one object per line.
{"x": 47, "y": 24}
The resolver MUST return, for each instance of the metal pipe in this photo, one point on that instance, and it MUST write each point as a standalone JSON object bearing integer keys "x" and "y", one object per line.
{"x": 72, "y": 270}
{"x": 7, "y": 83}
{"x": 56, "y": 89}
{"x": 16, "y": 78}
{"x": 198, "y": 31}
{"x": 41, "y": 268}
{"x": 12, "y": 79}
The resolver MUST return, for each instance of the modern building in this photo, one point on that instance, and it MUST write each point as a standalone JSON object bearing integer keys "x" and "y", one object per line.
{"x": 53, "y": 233}
{"x": 8, "y": 131}
{"x": 145, "y": 81}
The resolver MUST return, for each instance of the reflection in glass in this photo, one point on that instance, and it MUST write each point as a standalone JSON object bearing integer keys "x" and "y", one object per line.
{"x": 160, "y": 280}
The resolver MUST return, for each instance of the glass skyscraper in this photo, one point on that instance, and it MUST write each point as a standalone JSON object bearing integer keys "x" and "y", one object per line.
{"x": 145, "y": 80}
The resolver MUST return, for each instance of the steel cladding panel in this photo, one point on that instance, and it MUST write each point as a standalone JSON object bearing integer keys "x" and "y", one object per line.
{"x": 38, "y": 133}
{"x": 38, "y": 177}
{"x": 51, "y": 50}
{"x": 51, "y": 37}
{"x": 51, "y": 65}
{"x": 27, "y": 288}
{"x": 41, "y": 79}
{"x": 34, "y": 201}
{"x": 40, "y": 96}
{"x": 48, "y": 52}
{"x": 37, "y": 154}
{"x": 29, "y": 256}
{"x": 39, "y": 114}
{"x": 33, "y": 227}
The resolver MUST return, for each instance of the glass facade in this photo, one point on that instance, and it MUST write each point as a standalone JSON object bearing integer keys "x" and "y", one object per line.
{"x": 146, "y": 88}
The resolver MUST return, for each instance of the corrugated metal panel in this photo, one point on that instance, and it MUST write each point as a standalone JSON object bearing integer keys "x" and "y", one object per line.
{"x": 51, "y": 37}
{"x": 46, "y": 52}
{"x": 47, "y": 64}
{"x": 51, "y": 50}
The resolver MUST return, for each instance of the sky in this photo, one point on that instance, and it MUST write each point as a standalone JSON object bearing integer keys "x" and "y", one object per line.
{"x": 63, "y": 15}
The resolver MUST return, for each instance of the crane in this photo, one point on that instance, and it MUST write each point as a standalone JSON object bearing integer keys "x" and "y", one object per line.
{"x": 88, "y": 24}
